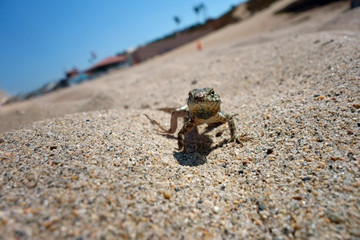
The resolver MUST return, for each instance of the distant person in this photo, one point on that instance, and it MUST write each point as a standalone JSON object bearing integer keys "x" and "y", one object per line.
{"x": 199, "y": 45}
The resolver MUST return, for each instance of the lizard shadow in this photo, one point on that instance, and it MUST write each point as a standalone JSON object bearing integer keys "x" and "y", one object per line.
{"x": 198, "y": 147}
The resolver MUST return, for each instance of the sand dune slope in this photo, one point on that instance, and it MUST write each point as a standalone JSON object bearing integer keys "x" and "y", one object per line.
{"x": 109, "y": 174}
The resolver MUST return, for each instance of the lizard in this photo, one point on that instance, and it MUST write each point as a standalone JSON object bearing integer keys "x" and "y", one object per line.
{"x": 203, "y": 106}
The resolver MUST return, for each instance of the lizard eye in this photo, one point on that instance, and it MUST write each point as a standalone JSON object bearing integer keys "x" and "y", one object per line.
{"x": 212, "y": 92}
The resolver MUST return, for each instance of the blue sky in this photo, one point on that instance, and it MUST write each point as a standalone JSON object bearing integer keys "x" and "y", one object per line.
{"x": 41, "y": 39}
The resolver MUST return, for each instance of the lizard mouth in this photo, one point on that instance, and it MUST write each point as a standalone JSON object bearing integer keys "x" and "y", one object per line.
{"x": 199, "y": 99}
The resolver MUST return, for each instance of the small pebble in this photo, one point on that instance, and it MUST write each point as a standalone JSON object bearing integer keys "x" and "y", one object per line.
{"x": 53, "y": 148}
{"x": 306, "y": 179}
{"x": 261, "y": 207}
{"x": 334, "y": 217}
{"x": 269, "y": 151}
{"x": 350, "y": 132}
{"x": 356, "y": 105}
{"x": 297, "y": 198}
{"x": 167, "y": 195}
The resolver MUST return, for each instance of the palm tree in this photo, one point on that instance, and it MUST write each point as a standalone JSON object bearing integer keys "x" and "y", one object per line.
{"x": 197, "y": 10}
{"x": 201, "y": 8}
{"x": 177, "y": 21}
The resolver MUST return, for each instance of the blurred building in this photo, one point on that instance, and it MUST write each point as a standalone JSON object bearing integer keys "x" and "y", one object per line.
{"x": 72, "y": 73}
{"x": 106, "y": 65}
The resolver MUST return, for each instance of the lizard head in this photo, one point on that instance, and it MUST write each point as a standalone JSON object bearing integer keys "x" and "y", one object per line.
{"x": 203, "y": 102}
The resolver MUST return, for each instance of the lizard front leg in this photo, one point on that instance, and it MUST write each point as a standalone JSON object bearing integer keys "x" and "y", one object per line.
{"x": 233, "y": 134}
{"x": 182, "y": 133}
{"x": 230, "y": 120}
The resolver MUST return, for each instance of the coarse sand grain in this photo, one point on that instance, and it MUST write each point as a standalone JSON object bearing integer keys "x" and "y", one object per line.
{"x": 109, "y": 174}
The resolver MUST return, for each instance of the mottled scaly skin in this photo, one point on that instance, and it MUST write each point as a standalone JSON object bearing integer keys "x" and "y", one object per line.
{"x": 203, "y": 106}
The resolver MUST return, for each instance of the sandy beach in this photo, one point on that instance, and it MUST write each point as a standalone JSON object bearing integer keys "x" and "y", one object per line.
{"x": 85, "y": 162}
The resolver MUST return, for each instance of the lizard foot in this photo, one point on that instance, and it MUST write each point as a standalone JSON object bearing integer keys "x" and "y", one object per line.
{"x": 181, "y": 146}
{"x": 240, "y": 139}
